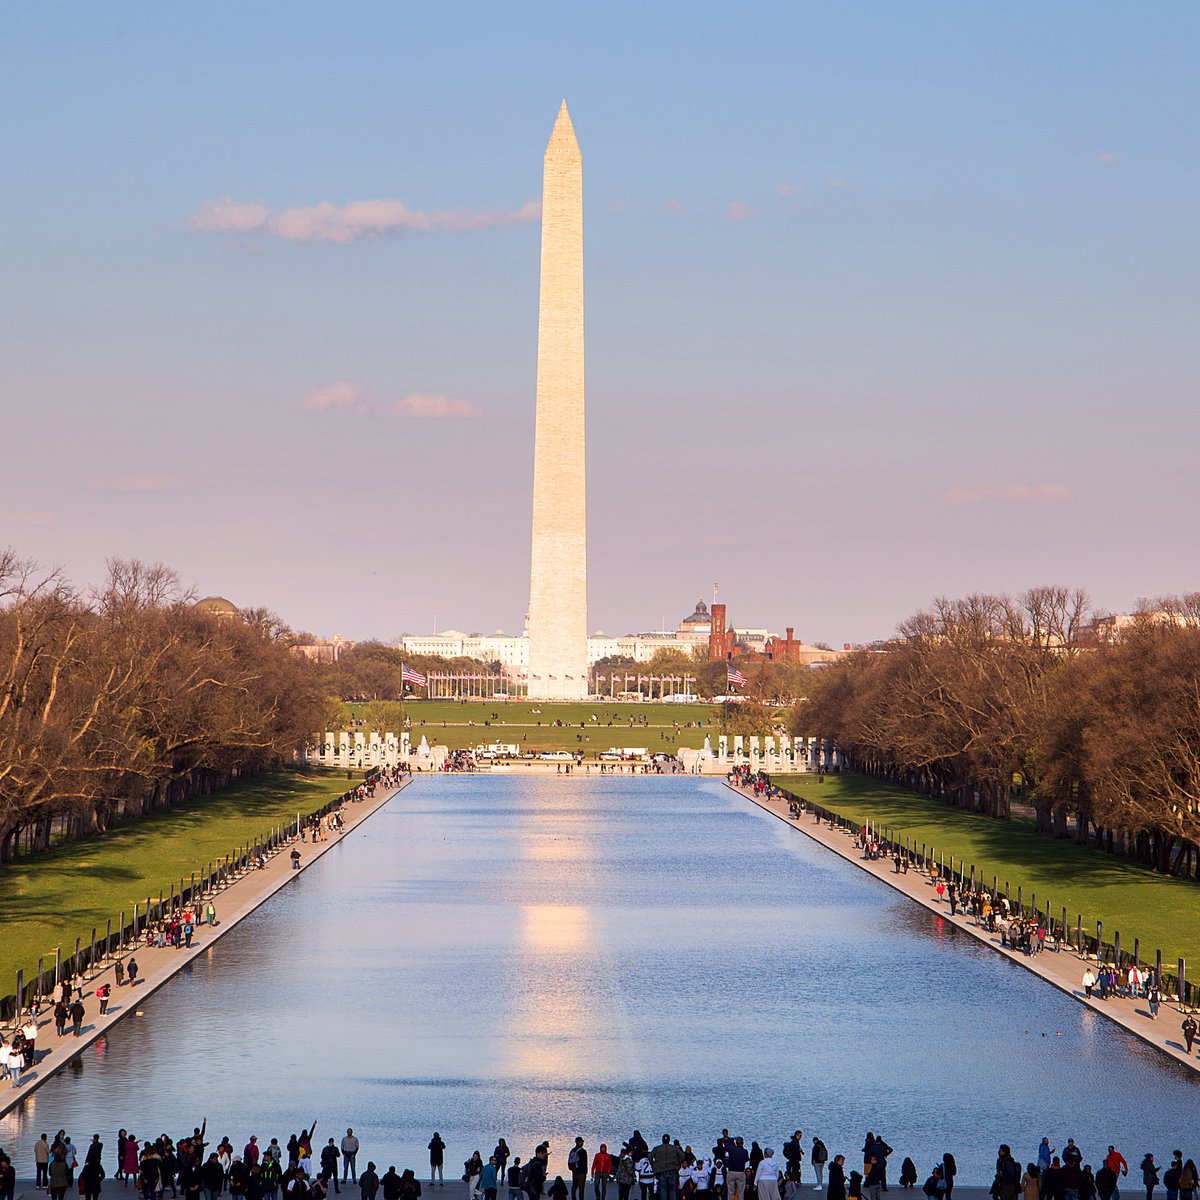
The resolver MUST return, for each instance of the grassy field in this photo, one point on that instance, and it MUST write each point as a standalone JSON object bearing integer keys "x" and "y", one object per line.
{"x": 1163, "y": 912}
{"x": 53, "y": 898}
{"x": 532, "y": 725}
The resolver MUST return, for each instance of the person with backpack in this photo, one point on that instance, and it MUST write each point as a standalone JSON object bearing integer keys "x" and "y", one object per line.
{"x": 819, "y": 1156}
{"x": 1007, "y": 1181}
{"x": 577, "y": 1163}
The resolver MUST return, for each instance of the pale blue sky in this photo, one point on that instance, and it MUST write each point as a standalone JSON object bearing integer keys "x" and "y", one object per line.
{"x": 884, "y": 301}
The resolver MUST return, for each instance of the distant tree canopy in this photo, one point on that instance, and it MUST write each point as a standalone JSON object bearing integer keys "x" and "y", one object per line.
{"x": 979, "y": 697}
{"x": 123, "y": 700}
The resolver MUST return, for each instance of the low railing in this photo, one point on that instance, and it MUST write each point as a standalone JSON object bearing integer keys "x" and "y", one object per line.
{"x": 1058, "y": 929}
{"x": 97, "y": 952}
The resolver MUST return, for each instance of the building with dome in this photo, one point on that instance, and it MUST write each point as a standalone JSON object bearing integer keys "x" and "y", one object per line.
{"x": 217, "y": 606}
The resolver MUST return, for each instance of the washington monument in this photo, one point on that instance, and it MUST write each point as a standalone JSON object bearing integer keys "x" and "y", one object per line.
{"x": 558, "y": 579}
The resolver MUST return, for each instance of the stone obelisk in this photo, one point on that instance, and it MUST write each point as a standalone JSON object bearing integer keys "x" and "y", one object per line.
{"x": 558, "y": 579}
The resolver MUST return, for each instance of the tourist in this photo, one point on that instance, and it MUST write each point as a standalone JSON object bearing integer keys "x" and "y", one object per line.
{"x": 41, "y": 1158}
{"x": 1172, "y": 1174}
{"x": 1007, "y": 1180}
{"x": 472, "y": 1169}
{"x": 1116, "y": 1163}
{"x": 949, "y": 1171}
{"x": 133, "y": 971}
{"x": 390, "y": 1185}
{"x": 646, "y": 1180}
{"x": 793, "y": 1153}
{"x": 437, "y": 1157}
{"x": 77, "y": 1015}
{"x": 513, "y": 1179}
{"x": 103, "y": 992}
{"x": 837, "y": 1178}
{"x": 666, "y": 1159}
{"x": 501, "y": 1154}
{"x": 1189, "y": 1031}
{"x": 59, "y": 1173}
{"x": 819, "y": 1156}
{"x": 30, "y": 1032}
{"x": 489, "y": 1179}
{"x": 410, "y": 1185}
{"x": 766, "y": 1177}
{"x": 1188, "y": 1181}
{"x": 1031, "y": 1183}
{"x": 329, "y": 1163}
{"x": 558, "y": 1189}
{"x": 536, "y": 1172}
{"x": 1149, "y": 1176}
{"x": 602, "y": 1171}
{"x": 368, "y": 1183}
{"x": 350, "y": 1157}
{"x": 577, "y": 1164}
{"x": 737, "y": 1159}
{"x": 8, "y": 1177}
{"x": 60, "y": 1017}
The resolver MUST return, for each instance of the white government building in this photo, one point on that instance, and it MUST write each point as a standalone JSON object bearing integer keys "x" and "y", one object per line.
{"x": 691, "y": 637}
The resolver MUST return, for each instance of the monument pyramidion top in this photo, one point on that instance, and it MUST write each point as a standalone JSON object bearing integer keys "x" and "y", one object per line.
{"x": 562, "y": 142}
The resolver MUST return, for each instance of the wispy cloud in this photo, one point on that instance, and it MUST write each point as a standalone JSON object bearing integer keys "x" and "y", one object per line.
{"x": 739, "y": 210}
{"x": 433, "y": 408}
{"x": 1007, "y": 493}
{"x": 136, "y": 484}
{"x": 676, "y": 207}
{"x": 789, "y": 189}
{"x": 26, "y": 520}
{"x": 360, "y": 220}
{"x": 1108, "y": 158}
{"x": 836, "y": 181}
{"x": 345, "y": 394}
{"x": 349, "y": 396}
{"x": 621, "y": 204}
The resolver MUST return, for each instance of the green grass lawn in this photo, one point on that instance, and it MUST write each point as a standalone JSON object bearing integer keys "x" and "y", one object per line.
{"x": 51, "y": 899}
{"x": 532, "y": 725}
{"x": 1163, "y": 912}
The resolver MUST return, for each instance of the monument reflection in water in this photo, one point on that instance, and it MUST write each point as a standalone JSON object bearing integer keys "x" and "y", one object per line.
{"x": 538, "y": 958}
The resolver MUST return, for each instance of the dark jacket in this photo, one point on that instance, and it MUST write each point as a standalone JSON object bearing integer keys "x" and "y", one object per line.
{"x": 837, "y": 1182}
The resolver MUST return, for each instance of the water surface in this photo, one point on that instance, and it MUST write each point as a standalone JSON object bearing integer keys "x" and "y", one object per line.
{"x": 543, "y": 957}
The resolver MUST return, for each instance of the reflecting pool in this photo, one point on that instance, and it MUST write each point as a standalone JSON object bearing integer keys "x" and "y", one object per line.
{"x": 543, "y": 957}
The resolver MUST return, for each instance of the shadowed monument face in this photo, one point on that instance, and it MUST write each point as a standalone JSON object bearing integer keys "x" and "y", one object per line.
{"x": 558, "y": 579}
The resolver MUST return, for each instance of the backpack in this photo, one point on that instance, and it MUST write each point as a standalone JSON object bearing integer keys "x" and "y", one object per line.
{"x": 524, "y": 1177}
{"x": 819, "y": 1153}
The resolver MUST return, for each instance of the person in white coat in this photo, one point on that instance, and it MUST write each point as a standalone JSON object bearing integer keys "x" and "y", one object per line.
{"x": 766, "y": 1178}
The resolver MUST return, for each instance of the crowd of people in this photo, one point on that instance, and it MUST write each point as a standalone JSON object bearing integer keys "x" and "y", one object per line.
{"x": 303, "y": 1169}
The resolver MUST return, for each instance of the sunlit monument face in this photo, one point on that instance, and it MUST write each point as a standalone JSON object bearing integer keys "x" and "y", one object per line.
{"x": 558, "y": 578}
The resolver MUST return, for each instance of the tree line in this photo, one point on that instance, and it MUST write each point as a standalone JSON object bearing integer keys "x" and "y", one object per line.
{"x": 125, "y": 699}
{"x": 990, "y": 700}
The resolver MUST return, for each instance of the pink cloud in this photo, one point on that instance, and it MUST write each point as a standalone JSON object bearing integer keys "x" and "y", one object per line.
{"x": 790, "y": 189}
{"x": 348, "y": 396}
{"x": 228, "y": 215}
{"x": 26, "y": 520}
{"x": 360, "y": 220}
{"x": 1108, "y": 158}
{"x": 1007, "y": 493}
{"x": 739, "y": 210}
{"x": 345, "y": 394}
{"x": 677, "y": 207}
{"x": 435, "y": 408}
{"x": 836, "y": 181}
{"x": 136, "y": 484}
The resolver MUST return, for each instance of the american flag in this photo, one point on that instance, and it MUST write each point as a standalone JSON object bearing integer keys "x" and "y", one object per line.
{"x": 408, "y": 675}
{"x": 734, "y": 675}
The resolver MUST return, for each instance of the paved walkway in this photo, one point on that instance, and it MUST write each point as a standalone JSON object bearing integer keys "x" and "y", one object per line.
{"x": 156, "y": 966}
{"x": 1063, "y": 969}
